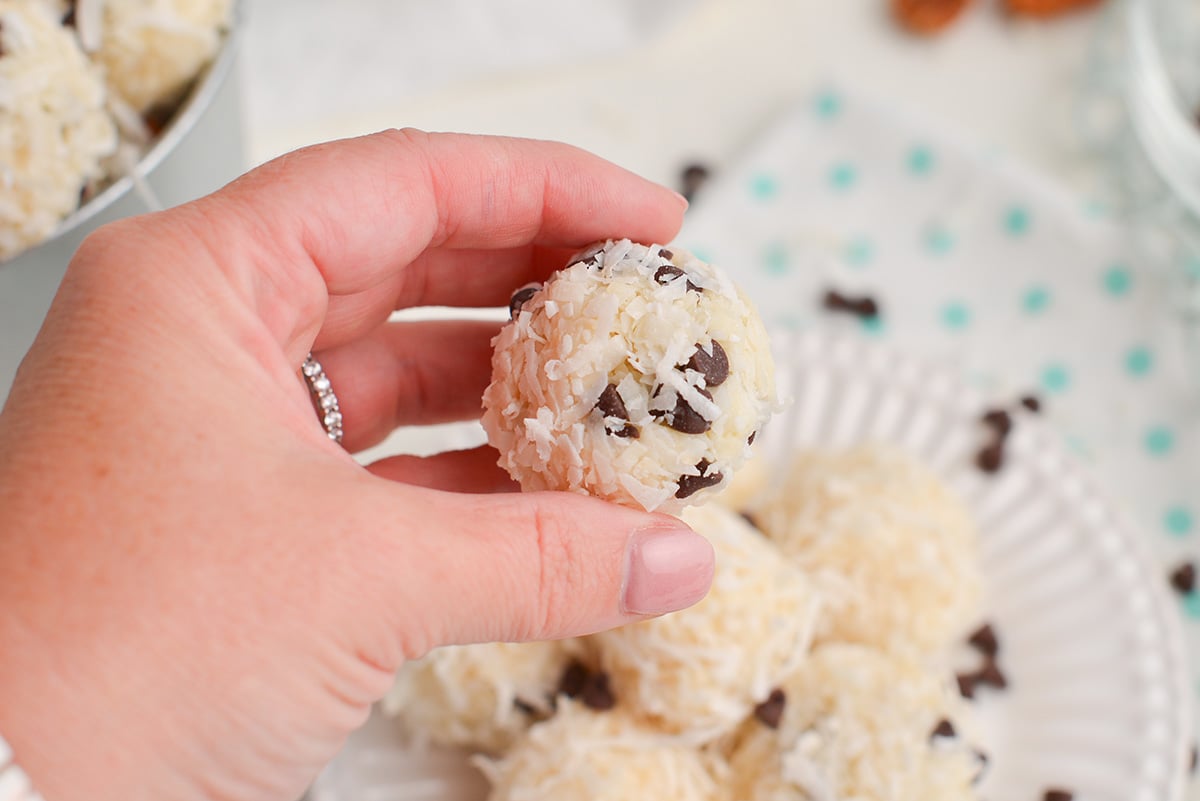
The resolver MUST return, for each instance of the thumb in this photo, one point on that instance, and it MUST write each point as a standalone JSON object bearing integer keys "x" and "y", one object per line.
{"x": 537, "y": 566}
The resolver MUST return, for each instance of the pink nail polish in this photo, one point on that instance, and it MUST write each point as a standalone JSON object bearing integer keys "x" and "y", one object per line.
{"x": 666, "y": 569}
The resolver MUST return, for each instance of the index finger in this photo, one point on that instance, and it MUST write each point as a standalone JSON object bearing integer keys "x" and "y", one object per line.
{"x": 349, "y": 220}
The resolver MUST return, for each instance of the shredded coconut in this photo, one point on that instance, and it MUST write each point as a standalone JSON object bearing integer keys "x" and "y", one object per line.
{"x": 581, "y": 755}
{"x": 701, "y": 671}
{"x": 631, "y": 317}
{"x": 471, "y": 695}
{"x": 894, "y": 552}
{"x": 54, "y": 131}
{"x": 857, "y": 725}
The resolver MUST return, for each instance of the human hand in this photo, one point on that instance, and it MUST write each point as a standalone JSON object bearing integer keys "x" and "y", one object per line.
{"x": 200, "y": 593}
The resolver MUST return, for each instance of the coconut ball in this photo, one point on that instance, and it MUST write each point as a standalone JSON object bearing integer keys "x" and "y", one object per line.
{"x": 152, "y": 50}
{"x": 580, "y": 755}
{"x": 636, "y": 374}
{"x": 701, "y": 671}
{"x": 479, "y": 697}
{"x": 54, "y": 131}
{"x": 891, "y": 548}
{"x": 855, "y": 722}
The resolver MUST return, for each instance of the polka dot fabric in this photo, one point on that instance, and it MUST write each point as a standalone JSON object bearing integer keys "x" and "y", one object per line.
{"x": 977, "y": 261}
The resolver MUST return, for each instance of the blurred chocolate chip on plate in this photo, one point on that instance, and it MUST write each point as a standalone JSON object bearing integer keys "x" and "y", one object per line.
{"x": 991, "y": 675}
{"x": 984, "y": 640}
{"x": 944, "y": 728}
{"x": 1031, "y": 403}
{"x": 990, "y": 458}
{"x": 966, "y": 684}
{"x": 770, "y": 712}
{"x": 1057, "y": 794}
{"x": 691, "y": 178}
{"x": 1183, "y": 578}
{"x": 999, "y": 421}
{"x": 865, "y": 307}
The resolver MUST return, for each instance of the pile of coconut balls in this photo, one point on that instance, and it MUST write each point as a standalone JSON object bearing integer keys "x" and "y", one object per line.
{"x": 819, "y": 665}
{"x": 85, "y": 85}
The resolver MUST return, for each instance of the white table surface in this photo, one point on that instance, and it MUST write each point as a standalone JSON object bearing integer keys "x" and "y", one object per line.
{"x": 703, "y": 77}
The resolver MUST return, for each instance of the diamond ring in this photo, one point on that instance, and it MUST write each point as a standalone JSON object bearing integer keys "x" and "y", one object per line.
{"x": 324, "y": 400}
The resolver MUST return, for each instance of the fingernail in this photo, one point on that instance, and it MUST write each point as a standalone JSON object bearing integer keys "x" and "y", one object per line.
{"x": 666, "y": 569}
{"x": 683, "y": 201}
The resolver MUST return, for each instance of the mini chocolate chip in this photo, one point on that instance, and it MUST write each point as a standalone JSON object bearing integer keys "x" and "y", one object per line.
{"x": 990, "y": 674}
{"x": 713, "y": 366}
{"x": 944, "y": 728}
{"x": 526, "y": 708}
{"x": 666, "y": 254}
{"x": 1057, "y": 794}
{"x": 1031, "y": 403}
{"x": 611, "y": 404}
{"x": 770, "y": 711}
{"x": 984, "y": 640}
{"x": 1183, "y": 578}
{"x": 750, "y": 439}
{"x": 1195, "y": 757}
{"x": 519, "y": 299}
{"x": 690, "y": 485}
{"x": 966, "y": 684}
{"x": 990, "y": 458}
{"x": 999, "y": 421}
{"x": 573, "y": 680}
{"x": 692, "y": 177}
{"x": 864, "y": 307}
{"x": 597, "y": 694}
{"x": 669, "y": 272}
{"x": 683, "y": 418}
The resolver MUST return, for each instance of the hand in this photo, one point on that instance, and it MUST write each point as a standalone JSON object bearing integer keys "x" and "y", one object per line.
{"x": 200, "y": 593}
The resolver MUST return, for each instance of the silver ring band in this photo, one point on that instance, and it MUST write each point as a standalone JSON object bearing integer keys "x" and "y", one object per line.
{"x": 324, "y": 400}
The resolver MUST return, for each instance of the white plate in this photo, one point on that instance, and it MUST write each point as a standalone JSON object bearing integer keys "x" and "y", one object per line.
{"x": 1098, "y": 701}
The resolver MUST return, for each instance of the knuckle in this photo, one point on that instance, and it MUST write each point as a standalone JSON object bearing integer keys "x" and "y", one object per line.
{"x": 559, "y": 587}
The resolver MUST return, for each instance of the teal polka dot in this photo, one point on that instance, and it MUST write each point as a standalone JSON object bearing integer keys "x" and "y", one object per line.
{"x": 1139, "y": 361}
{"x": 1055, "y": 378}
{"x": 1191, "y": 605}
{"x": 776, "y": 260}
{"x": 920, "y": 160}
{"x": 1017, "y": 221}
{"x": 1159, "y": 441}
{"x": 843, "y": 176}
{"x": 1191, "y": 267}
{"x": 956, "y": 316}
{"x": 1035, "y": 299}
{"x": 702, "y": 253}
{"x": 827, "y": 105}
{"x": 1118, "y": 280}
{"x": 763, "y": 186}
{"x": 1178, "y": 521}
{"x": 1095, "y": 209}
{"x": 938, "y": 240}
{"x": 872, "y": 325}
{"x": 858, "y": 252}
